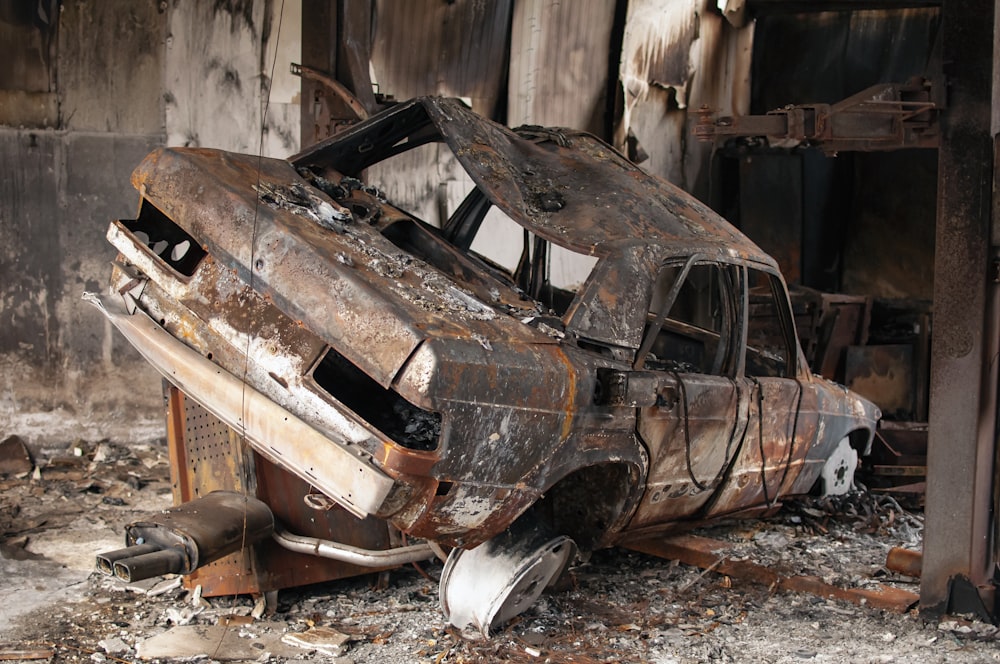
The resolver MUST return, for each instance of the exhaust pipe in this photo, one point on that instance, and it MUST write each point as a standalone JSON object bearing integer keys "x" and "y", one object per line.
{"x": 183, "y": 538}
{"x": 351, "y": 554}
{"x": 106, "y": 561}
{"x": 148, "y": 565}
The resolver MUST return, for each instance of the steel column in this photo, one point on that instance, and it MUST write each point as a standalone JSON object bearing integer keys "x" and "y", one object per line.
{"x": 958, "y": 558}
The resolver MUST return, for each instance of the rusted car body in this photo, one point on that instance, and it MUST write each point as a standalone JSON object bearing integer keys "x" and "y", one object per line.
{"x": 406, "y": 374}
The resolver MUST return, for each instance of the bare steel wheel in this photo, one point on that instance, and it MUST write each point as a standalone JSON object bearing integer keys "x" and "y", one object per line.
{"x": 484, "y": 587}
{"x": 837, "y": 477}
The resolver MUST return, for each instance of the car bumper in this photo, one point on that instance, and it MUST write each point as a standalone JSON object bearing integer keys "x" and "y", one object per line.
{"x": 335, "y": 467}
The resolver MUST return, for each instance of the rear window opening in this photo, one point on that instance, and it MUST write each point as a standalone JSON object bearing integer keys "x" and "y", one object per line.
{"x": 410, "y": 426}
{"x": 168, "y": 241}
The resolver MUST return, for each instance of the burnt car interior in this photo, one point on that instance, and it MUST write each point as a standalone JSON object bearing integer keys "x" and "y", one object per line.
{"x": 452, "y": 248}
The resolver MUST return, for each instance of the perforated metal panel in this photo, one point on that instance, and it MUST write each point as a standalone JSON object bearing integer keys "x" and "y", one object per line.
{"x": 206, "y": 455}
{"x": 214, "y": 454}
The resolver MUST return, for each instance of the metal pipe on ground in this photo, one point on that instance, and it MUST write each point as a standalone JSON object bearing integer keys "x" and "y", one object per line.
{"x": 351, "y": 554}
{"x": 904, "y": 561}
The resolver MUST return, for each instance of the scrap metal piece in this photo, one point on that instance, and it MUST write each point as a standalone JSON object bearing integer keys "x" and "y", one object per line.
{"x": 708, "y": 553}
{"x": 15, "y": 458}
{"x": 904, "y": 561}
{"x": 334, "y": 87}
{"x": 277, "y": 434}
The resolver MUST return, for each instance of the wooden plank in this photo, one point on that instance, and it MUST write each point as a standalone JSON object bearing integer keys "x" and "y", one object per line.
{"x": 20, "y": 653}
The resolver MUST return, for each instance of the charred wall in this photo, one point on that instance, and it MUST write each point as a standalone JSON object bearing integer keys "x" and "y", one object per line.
{"x": 87, "y": 89}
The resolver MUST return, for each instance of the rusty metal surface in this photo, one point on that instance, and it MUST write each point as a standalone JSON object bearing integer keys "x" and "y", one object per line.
{"x": 961, "y": 455}
{"x": 889, "y": 116}
{"x": 710, "y": 554}
{"x": 270, "y": 429}
{"x": 479, "y": 389}
{"x": 843, "y": 322}
{"x": 206, "y": 455}
{"x": 884, "y": 374}
{"x": 904, "y": 561}
{"x": 329, "y": 95}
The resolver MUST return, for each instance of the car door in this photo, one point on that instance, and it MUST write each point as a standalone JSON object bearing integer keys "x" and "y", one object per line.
{"x": 690, "y": 352}
{"x": 780, "y": 406}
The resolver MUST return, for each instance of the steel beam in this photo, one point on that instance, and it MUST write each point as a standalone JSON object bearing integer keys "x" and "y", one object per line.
{"x": 958, "y": 557}
{"x": 712, "y": 554}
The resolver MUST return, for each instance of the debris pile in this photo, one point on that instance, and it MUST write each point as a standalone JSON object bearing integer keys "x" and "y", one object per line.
{"x": 618, "y": 606}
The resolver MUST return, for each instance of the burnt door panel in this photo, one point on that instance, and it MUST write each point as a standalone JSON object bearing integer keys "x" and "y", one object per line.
{"x": 768, "y": 460}
{"x": 690, "y": 442}
{"x": 691, "y": 338}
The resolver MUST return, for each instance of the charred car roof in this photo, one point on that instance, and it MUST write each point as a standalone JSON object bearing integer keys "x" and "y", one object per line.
{"x": 564, "y": 185}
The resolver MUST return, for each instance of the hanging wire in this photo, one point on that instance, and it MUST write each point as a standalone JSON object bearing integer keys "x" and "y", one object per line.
{"x": 244, "y": 563}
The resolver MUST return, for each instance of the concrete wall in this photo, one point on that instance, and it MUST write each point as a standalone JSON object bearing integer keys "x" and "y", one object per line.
{"x": 87, "y": 89}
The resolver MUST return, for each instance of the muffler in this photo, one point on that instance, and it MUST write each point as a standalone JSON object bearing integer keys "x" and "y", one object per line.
{"x": 183, "y": 538}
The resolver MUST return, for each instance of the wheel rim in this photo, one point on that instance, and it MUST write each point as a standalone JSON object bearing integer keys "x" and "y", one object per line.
{"x": 838, "y": 471}
{"x": 485, "y": 587}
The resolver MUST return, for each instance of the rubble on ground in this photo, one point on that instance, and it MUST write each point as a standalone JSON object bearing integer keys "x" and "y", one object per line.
{"x": 618, "y": 606}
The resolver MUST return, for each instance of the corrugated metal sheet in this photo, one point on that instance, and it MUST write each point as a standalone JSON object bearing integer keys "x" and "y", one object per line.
{"x": 559, "y": 57}
{"x": 891, "y": 196}
{"x": 449, "y": 48}
{"x": 436, "y": 47}
{"x": 656, "y": 50}
{"x": 837, "y": 54}
{"x": 676, "y": 55}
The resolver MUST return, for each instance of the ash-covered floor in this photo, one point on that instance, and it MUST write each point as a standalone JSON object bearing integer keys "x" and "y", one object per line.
{"x": 620, "y": 606}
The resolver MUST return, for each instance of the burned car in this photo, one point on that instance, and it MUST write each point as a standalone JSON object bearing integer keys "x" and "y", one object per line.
{"x": 419, "y": 375}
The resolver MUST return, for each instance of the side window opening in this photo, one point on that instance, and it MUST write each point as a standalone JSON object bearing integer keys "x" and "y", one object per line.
{"x": 479, "y": 239}
{"x": 464, "y": 235}
{"x": 769, "y": 351}
{"x": 690, "y": 323}
{"x": 408, "y": 425}
{"x": 546, "y": 272}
